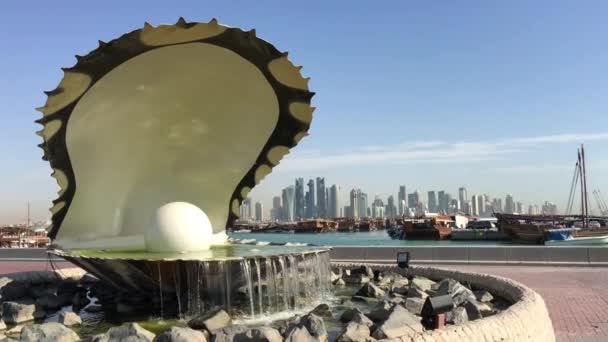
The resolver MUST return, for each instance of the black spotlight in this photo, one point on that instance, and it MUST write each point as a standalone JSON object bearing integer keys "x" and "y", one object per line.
{"x": 434, "y": 309}
{"x": 403, "y": 259}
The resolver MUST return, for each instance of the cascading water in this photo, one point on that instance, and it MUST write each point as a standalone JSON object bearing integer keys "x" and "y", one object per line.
{"x": 259, "y": 285}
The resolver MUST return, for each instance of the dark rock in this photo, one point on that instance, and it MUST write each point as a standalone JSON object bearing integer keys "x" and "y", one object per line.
{"x": 368, "y": 300}
{"x": 356, "y": 279}
{"x": 14, "y": 290}
{"x": 260, "y": 334}
{"x": 365, "y": 270}
{"x": 457, "y": 316}
{"x": 177, "y": 334}
{"x": 130, "y": 332}
{"x": 312, "y": 323}
{"x": 41, "y": 290}
{"x": 69, "y": 319}
{"x": 227, "y": 334}
{"x": 399, "y": 323}
{"x": 14, "y": 313}
{"x": 93, "y": 308}
{"x": 339, "y": 282}
{"x": 88, "y": 279}
{"x": 483, "y": 296}
{"x": 400, "y": 289}
{"x": 362, "y": 319}
{"x": 414, "y": 292}
{"x": 370, "y": 290}
{"x": 459, "y": 292}
{"x": 349, "y": 314}
{"x": 422, "y": 283}
{"x": 381, "y": 311}
{"x": 80, "y": 300}
{"x": 354, "y": 332}
{"x": 397, "y": 300}
{"x": 299, "y": 335}
{"x": 414, "y": 305}
{"x": 49, "y": 302}
{"x": 477, "y": 310}
{"x": 48, "y": 332}
{"x": 322, "y": 310}
{"x": 211, "y": 320}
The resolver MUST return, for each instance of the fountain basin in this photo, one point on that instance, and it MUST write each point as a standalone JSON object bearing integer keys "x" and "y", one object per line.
{"x": 251, "y": 280}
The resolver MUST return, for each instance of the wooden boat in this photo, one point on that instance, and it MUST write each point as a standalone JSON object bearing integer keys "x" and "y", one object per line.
{"x": 436, "y": 228}
{"x": 580, "y": 241}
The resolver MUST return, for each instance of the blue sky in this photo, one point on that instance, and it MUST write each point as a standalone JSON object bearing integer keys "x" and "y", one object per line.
{"x": 493, "y": 96}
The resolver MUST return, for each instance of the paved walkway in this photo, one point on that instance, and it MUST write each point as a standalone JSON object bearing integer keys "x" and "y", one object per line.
{"x": 577, "y": 297}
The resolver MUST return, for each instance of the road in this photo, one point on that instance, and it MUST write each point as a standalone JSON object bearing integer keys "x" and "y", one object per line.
{"x": 576, "y": 297}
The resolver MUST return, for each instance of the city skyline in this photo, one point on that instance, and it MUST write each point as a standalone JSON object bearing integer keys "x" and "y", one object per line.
{"x": 357, "y": 203}
{"x": 493, "y": 96}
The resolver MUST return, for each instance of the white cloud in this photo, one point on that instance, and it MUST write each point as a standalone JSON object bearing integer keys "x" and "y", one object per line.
{"x": 428, "y": 152}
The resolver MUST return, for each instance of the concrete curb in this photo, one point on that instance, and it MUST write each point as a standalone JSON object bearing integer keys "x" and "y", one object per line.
{"x": 526, "y": 320}
{"x": 477, "y": 255}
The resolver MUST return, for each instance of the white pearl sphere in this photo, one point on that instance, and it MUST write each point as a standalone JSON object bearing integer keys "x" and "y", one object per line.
{"x": 178, "y": 227}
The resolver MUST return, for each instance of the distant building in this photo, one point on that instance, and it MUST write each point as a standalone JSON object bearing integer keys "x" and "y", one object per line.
{"x": 401, "y": 199}
{"x": 288, "y": 203}
{"x": 519, "y": 208}
{"x": 246, "y": 210}
{"x": 474, "y": 205}
{"x": 309, "y": 198}
{"x": 441, "y": 202}
{"x": 413, "y": 200}
{"x": 321, "y": 199}
{"x": 333, "y": 202}
{"x": 258, "y": 212}
{"x": 390, "y": 210}
{"x": 549, "y": 208}
{"x": 464, "y": 199}
{"x": 510, "y": 205}
{"x": 362, "y": 204}
{"x": 299, "y": 202}
{"x": 432, "y": 200}
{"x": 354, "y": 203}
{"x": 378, "y": 208}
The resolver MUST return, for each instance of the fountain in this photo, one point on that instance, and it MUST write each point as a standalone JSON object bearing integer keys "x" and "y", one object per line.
{"x": 155, "y": 139}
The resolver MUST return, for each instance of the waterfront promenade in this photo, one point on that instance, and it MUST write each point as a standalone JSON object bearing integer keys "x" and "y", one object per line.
{"x": 576, "y": 296}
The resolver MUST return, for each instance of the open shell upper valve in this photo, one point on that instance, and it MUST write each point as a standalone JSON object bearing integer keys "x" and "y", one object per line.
{"x": 193, "y": 112}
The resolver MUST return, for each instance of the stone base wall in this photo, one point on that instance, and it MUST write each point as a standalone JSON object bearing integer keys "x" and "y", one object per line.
{"x": 526, "y": 320}
{"x": 35, "y": 277}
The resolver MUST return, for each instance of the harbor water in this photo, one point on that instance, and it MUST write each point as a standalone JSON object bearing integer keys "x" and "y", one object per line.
{"x": 374, "y": 238}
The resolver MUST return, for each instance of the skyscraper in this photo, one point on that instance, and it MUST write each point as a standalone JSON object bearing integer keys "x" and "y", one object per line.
{"x": 391, "y": 210}
{"x": 310, "y": 200}
{"x": 362, "y": 204}
{"x": 354, "y": 203}
{"x": 401, "y": 197}
{"x": 480, "y": 205}
{"x": 321, "y": 203}
{"x": 413, "y": 200}
{"x": 474, "y": 205}
{"x": 432, "y": 201}
{"x": 378, "y": 208}
{"x": 441, "y": 201}
{"x": 333, "y": 203}
{"x": 288, "y": 203}
{"x": 464, "y": 199}
{"x": 299, "y": 204}
{"x": 258, "y": 212}
{"x": 246, "y": 209}
{"x": 276, "y": 213}
{"x": 509, "y": 205}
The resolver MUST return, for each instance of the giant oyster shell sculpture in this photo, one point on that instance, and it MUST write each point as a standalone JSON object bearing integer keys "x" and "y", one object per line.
{"x": 193, "y": 112}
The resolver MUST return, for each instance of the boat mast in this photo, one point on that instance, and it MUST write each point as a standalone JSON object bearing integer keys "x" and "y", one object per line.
{"x": 580, "y": 169}
{"x": 585, "y": 184}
